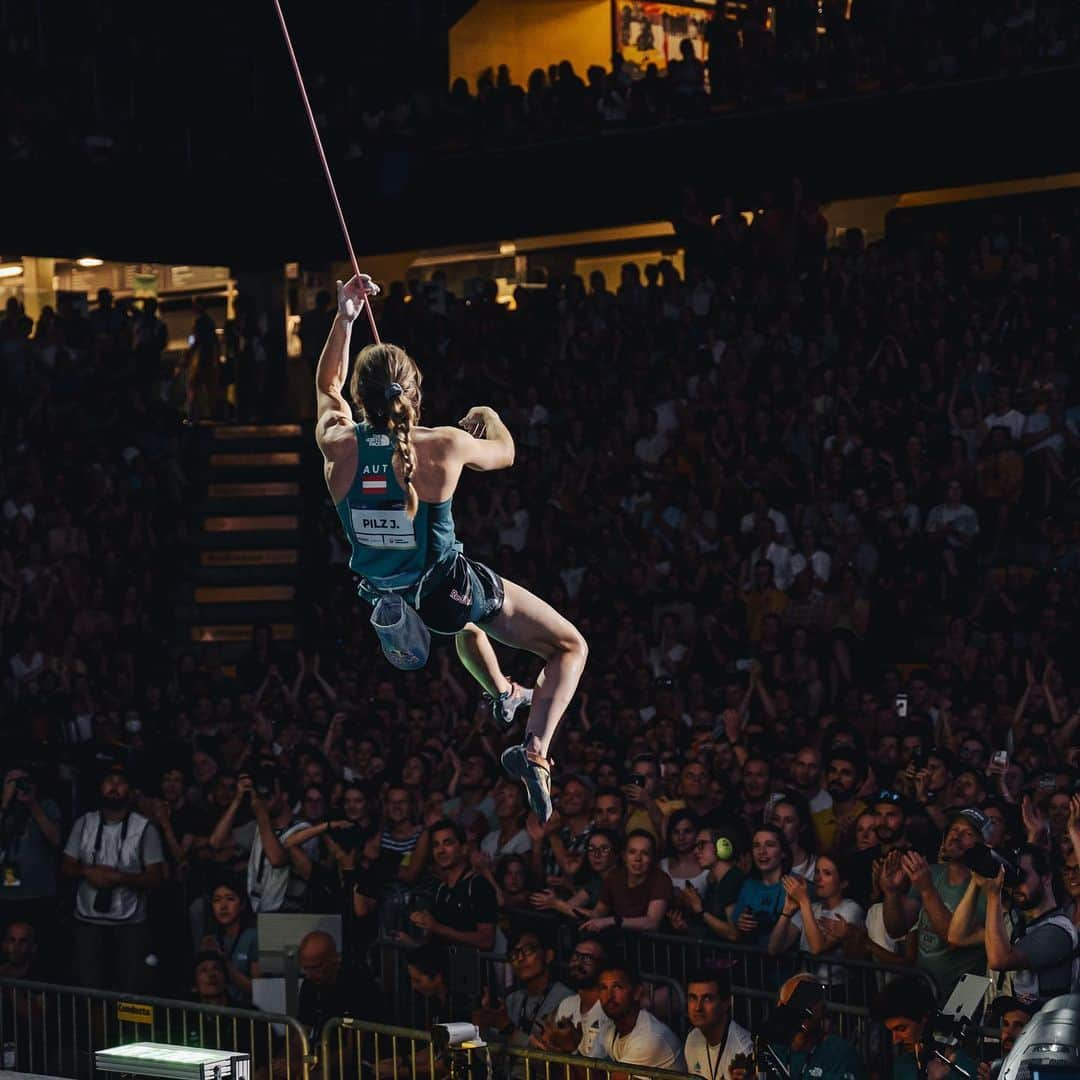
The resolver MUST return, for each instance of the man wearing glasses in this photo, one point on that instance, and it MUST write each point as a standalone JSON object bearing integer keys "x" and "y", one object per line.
{"x": 520, "y": 1016}
{"x": 580, "y": 1025}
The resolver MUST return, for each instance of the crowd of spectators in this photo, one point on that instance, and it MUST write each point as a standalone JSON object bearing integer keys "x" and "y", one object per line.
{"x": 757, "y": 55}
{"x": 811, "y": 505}
{"x": 765, "y": 55}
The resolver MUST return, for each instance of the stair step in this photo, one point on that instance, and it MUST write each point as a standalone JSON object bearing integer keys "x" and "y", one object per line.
{"x": 240, "y": 632}
{"x": 258, "y": 431}
{"x": 245, "y": 575}
{"x": 238, "y": 541}
{"x": 256, "y": 460}
{"x": 243, "y": 594}
{"x": 267, "y": 505}
{"x": 252, "y": 523}
{"x": 256, "y": 490}
{"x": 252, "y": 611}
{"x": 250, "y": 557}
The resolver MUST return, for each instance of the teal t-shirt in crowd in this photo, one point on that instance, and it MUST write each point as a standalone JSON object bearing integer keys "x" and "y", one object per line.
{"x": 945, "y": 964}
{"x": 833, "y": 1058}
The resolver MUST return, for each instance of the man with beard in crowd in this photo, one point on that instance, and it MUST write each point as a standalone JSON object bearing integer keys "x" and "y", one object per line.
{"x": 890, "y": 810}
{"x": 115, "y": 854}
{"x": 636, "y": 1036}
{"x": 935, "y": 893}
{"x": 844, "y": 774}
{"x": 1034, "y": 945}
{"x": 580, "y": 1025}
{"x": 1012, "y": 1016}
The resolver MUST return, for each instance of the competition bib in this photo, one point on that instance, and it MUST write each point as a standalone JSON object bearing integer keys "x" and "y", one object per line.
{"x": 383, "y": 528}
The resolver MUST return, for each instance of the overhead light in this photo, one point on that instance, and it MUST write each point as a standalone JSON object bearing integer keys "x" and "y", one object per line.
{"x": 88, "y": 260}
{"x": 10, "y": 270}
{"x": 508, "y": 247}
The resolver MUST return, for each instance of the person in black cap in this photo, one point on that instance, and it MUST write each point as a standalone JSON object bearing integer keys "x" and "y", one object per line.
{"x": 923, "y": 897}
{"x": 1012, "y": 1017}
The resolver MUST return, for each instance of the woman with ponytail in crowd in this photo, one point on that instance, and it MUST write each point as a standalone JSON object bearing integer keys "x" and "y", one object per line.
{"x": 393, "y": 484}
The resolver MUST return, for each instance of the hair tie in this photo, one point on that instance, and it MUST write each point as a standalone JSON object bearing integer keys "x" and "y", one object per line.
{"x": 394, "y": 390}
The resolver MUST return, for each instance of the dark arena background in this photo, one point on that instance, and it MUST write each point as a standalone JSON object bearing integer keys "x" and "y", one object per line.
{"x": 750, "y": 335}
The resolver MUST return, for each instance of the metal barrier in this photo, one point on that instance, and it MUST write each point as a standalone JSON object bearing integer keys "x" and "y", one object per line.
{"x": 352, "y": 1048}
{"x": 756, "y": 976}
{"x": 56, "y": 1029}
{"x": 472, "y": 972}
{"x": 539, "y": 1064}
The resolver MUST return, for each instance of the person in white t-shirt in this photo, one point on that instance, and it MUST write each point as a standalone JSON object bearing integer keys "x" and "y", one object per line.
{"x": 1004, "y": 415}
{"x": 716, "y": 1039}
{"x": 580, "y": 1025}
{"x": 636, "y": 1037}
{"x": 509, "y": 836}
{"x": 819, "y": 926}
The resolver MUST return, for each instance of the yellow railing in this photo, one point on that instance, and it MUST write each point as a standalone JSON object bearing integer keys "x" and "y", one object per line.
{"x": 52, "y": 1029}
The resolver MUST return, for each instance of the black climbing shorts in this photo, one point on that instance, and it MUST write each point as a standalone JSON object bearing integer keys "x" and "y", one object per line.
{"x": 470, "y": 592}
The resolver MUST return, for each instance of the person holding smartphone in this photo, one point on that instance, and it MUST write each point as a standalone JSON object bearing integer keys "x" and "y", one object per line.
{"x": 751, "y": 918}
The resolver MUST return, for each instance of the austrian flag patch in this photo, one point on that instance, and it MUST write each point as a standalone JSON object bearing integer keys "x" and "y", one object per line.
{"x": 373, "y": 485}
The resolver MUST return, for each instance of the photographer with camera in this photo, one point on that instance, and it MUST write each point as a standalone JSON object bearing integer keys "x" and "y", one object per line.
{"x": 1033, "y": 945}
{"x": 29, "y": 838}
{"x": 276, "y": 873}
{"x": 116, "y": 855}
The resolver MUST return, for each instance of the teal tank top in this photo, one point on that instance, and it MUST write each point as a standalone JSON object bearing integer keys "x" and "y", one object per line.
{"x": 390, "y": 552}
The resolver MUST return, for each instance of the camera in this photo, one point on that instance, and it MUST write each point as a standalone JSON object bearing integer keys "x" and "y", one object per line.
{"x": 900, "y": 704}
{"x": 458, "y": 1036}
{"x": 986, "y": 862}
{"x": 637, "y": 781}
{"x": 263, "y": 782}
{"x": 23, "y": 785}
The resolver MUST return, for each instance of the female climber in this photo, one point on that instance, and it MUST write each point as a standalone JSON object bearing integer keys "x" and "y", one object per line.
{"x": 393, "y": 484}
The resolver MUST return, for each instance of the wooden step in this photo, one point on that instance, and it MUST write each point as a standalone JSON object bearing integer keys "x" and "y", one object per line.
{"x": 243, "y": 594}
{"x": 252, "y": 523}
{"x": 250, "y": 557}
{"x": 255, "y": 490}
{"x": 240, "y": 632}
{"x": 271, "y": 459}
{"x": 258, "y": 431}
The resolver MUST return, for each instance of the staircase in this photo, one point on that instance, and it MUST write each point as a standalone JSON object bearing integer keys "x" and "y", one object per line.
{"x": 247, "y": 542}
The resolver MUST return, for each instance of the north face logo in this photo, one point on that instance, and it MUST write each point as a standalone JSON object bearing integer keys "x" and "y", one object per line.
{"x": 378, "y": 440}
